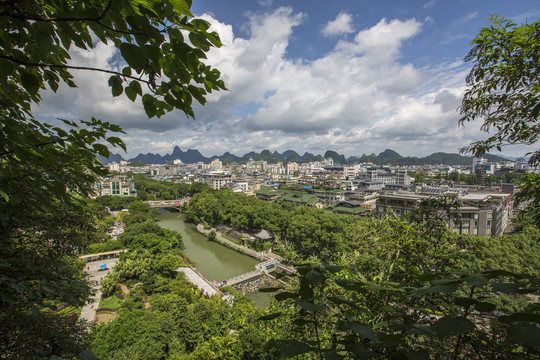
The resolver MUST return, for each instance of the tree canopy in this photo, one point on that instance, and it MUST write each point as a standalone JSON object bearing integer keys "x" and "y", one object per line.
{"x": 503, "y": 85}
{"x": 47, "y": 171}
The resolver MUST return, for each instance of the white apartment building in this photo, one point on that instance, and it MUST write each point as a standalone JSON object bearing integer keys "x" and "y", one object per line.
{"x": 216, "y": 165}
{"x": 217, "y": 180}
{"x": 292, "y": 168}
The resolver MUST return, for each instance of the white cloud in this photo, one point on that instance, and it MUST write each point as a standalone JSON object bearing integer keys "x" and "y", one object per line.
{"x": 465, "y": 18}
{"x": 430, "y": 4}
{"x": 358, "y": 97}
{"x": 381, "y": 43}
{"x": 340, "y": 25}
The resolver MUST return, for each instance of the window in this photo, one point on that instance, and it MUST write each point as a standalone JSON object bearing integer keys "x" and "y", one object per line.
{"x": 115, "y": 188}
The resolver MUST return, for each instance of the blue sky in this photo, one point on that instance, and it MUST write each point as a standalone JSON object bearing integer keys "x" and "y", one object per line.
{"x": 351, "y": 76}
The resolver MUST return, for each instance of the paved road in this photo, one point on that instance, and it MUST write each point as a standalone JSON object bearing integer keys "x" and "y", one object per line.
{"x": 88, "y": 312}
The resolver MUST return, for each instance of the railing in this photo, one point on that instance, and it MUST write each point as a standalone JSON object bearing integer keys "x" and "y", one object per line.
{"x": 244, "y": 277}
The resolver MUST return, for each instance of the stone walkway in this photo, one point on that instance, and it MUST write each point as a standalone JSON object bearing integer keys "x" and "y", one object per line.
{"x": 198, "y": 280}
{"x": 246, "y": 250}
{"x": 88, "y": 312}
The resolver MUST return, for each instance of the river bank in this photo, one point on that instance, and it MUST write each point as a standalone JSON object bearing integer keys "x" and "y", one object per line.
{"x": 215, "y": 261}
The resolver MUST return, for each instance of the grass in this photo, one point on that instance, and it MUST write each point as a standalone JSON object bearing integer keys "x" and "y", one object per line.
{"x": 238, "y": 242}
{"x": 111, "y": 302}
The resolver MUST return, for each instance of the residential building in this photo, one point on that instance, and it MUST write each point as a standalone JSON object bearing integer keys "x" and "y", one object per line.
{"x": 216, "y": 165}
{"x": 217, "y": 180}
{"x": 292, "y": 168}
{"x": 480, "y": 213}
{"x": 329, "y": 196}
{"x": 115, "y": 185}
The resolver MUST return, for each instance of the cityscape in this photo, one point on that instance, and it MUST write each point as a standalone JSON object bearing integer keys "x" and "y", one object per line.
{"x": 348, "y": 180}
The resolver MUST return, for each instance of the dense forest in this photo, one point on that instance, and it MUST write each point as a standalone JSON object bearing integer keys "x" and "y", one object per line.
{"x": 366, "y": 288}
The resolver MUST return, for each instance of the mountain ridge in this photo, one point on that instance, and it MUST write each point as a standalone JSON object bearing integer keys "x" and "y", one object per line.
{"x": 387, "y": 156}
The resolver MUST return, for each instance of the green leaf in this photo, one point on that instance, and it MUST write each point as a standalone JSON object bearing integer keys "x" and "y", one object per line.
{"x": 363, "y": 331}
{"x": 199, "y": 41}
{"x": 506, "y": 288}
{"x": 133, "y": 55}
{"x": 149, "y": 105}
{"x": 270, "y": 316}
{"x": 285, "y": 295}
{"x": 351, "y": 285}
{"x": 30, "y": 82}
{"x": 4, "y": 195}
{"x": 520, "y": 317}
{"x": 314, "y": 276}
{"x": 136, "y": 86}
{"x": 485, "y": 307}
{"x": 126, "y": 71}
{"x": 290, "y": 348}
{"x": 308, "y": 306}
{"x": 447, "y": 289}
{"x": 359, "y": 351}
{"x": 181, "y": 7}
{"x": 131, "y": 93}
{"x": 476, "y": 279}
{"x": 101, "y": 149}
{"x": 116, "y": 85}
{"x": 448, "y": 326}
{"x": 528, "y": 335}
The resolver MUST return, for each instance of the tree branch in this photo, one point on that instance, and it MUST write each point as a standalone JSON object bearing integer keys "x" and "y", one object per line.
{"x": 40, "y": 18}
{"x": 63, "y": 66}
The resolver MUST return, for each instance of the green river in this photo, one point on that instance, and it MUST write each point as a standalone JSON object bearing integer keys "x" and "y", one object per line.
{"x": 215, "y": 261}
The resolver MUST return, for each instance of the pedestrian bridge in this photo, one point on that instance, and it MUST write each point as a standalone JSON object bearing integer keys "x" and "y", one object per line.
{"x": 176, "y": 204}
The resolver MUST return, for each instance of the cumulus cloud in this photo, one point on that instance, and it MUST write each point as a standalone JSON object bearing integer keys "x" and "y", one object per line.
{"x": 340, "y": 25}
{"x": 359, "y": 97}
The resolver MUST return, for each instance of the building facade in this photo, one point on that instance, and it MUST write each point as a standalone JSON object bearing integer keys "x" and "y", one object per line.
{"x": 115, "y": 186}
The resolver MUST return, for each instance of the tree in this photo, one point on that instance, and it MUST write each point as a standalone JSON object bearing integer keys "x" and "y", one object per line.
{"x": 503, "y": 85}
{"x": 39, "y": 160}
{"x": 45, "y": 169}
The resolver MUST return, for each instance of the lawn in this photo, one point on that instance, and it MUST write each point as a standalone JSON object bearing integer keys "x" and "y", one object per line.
{"x": 111, "y": 302}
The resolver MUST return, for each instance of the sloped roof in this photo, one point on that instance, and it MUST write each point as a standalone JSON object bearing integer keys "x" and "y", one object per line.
{"x": 300, "y": 197}
{"x": 264, "y": 235}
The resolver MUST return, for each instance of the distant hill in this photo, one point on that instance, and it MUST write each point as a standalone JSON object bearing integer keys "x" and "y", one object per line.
{"x": 338, "y": 159}
{"x": 388, "y": 156}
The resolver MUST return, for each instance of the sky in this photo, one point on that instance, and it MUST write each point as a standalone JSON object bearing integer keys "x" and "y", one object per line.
{"x": 356, "y": 76}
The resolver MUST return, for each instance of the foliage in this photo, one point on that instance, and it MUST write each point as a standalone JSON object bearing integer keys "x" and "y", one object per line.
{"x": 331, "y": 316}
{"x": 115, "y": 202}
{"x": 46, "y": 171}
{"x": 503, "y": 88}
{"x": 530, "y": 194}
{"x": 40, "y": 335}
{"x": 149, "y": 189}
{"x": 149, "y": 236}
{"x": 36, "y": 38}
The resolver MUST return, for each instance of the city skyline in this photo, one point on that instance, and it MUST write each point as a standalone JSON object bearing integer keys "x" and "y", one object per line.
{"x": 353, "y": 77}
